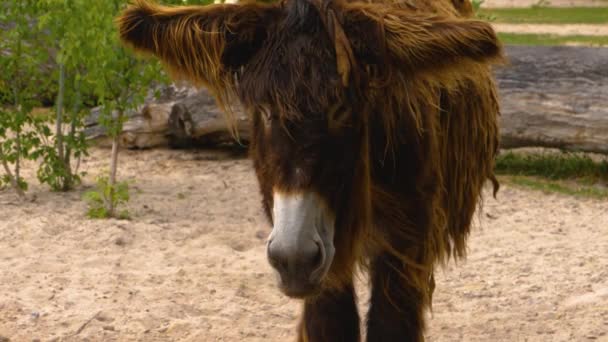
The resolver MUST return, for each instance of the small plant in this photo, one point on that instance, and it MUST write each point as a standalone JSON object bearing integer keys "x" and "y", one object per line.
{"x": 58, "y": 172}
{"x": 106, "y": 198}
{"x": 477, "y": 10}
{"x": 17, "y": 142}
{"x": 477, "y": 5}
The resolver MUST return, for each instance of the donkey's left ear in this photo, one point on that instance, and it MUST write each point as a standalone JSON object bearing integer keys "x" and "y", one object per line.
{"x": 418, "y": 42}
{"x": 202, "y": 44}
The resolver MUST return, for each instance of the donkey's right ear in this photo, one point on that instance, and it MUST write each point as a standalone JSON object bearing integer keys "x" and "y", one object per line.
{"x": 202, "y": 44}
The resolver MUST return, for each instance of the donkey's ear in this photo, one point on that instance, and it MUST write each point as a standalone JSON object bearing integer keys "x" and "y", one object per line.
{"x": 202, "y": 44}
{"x": 420, "y": 43}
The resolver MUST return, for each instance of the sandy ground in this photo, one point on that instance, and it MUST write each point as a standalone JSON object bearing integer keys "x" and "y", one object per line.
{"x": 563, "y": 30}
{"x": 190, "y": 265}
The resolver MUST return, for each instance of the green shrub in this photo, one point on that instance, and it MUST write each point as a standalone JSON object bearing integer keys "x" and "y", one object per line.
{"x": 106, "y": 196}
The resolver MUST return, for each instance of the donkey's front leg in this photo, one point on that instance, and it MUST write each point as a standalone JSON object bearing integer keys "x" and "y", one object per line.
{"x": 330, "y": 317}
{"x": 396, "y": 309}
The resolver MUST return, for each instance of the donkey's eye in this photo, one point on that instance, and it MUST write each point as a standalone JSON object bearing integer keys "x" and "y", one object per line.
{"x": 266, "y": 113}
{"x": 338, "y": 116}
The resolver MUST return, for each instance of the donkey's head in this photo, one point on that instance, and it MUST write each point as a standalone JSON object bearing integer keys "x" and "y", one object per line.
{"x": 303, "y": 70}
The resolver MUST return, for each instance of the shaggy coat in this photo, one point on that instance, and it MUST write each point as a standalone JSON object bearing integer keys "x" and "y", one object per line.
{"x": 386, "y": 109}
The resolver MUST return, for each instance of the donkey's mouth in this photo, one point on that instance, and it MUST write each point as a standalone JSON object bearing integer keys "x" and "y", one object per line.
{"x": 298, "y": 281}
{"x": 300, "y": 247}
{"x": 300, "y": 291}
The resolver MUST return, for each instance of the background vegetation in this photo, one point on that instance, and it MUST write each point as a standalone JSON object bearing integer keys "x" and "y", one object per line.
{"x": 541, "y": 14}
{"x": 66, "y": 53}
{"x": 547, "y": 15}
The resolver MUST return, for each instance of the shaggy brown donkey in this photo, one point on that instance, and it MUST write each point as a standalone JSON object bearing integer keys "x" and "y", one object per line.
{"x": 374, "y": 128}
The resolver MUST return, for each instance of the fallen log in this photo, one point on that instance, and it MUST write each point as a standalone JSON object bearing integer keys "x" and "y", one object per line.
{"x": 555, "y": 97}
{"x": 198, "y": 121}
{"x": 550, "y": 97}
{"x": 180, "y": 117}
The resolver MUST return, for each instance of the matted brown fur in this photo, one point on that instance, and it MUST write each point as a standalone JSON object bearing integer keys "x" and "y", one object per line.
{"x": 387, "y": 109}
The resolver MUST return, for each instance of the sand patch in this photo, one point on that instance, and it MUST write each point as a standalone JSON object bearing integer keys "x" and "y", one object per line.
{"x": 561, "y": 30}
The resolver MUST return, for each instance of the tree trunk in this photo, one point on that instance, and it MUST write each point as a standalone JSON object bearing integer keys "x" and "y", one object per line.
{"x": 14, "y": 182}
{"x": 113, "y": 168}
{"x": 19, "y": 107}
{"x": 67, "y": 161}
{"x": 59, "y": 124}
{"x": 19, "y": 154}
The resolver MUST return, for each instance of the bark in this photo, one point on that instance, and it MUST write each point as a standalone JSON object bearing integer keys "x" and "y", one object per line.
{"x": 197, "y": 121}
{"x": 181, "y": 121}
{"x": 555, "y": 97}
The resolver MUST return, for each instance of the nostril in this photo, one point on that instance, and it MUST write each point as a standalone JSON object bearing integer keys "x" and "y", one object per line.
{"x": 318, "y": 259}
{"x": 305, "y": 260}
{"x": 276, "y": 258}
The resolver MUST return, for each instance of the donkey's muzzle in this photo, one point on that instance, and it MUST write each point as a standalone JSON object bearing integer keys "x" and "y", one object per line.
{"x": 300, "y": 247}
{"x": 300, "y": 267}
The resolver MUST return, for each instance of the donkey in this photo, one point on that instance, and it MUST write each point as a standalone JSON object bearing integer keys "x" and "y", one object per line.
{"x": 374, "y": 129}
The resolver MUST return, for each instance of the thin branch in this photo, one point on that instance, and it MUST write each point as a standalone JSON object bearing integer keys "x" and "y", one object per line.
{"x": 19, "y": 154}
{"x": 60, "y": 104}
{"x": 84, "y": 325}
{"x": 11, "y": 178}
